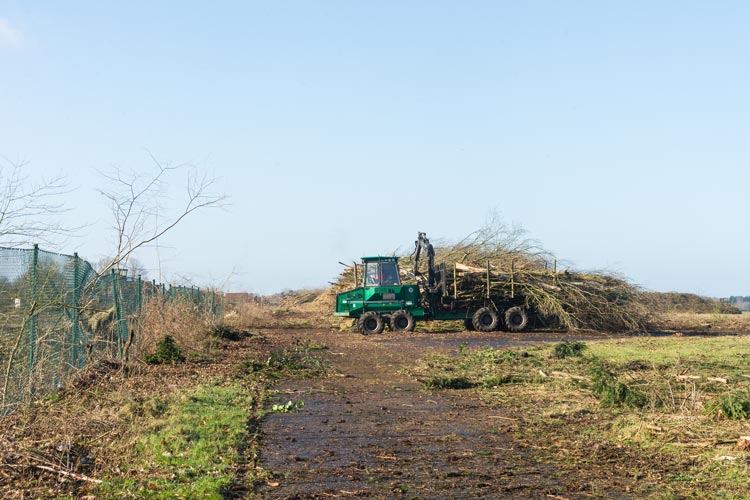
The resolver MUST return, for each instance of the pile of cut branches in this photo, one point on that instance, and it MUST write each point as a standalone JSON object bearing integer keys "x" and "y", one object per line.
{"x": 299, "y": 297}
{"x": 568, "y": 300}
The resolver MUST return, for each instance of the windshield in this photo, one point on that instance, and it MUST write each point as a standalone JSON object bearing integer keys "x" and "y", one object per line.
{"x": 389, "y": 270}
{"x": 382, "y": 274}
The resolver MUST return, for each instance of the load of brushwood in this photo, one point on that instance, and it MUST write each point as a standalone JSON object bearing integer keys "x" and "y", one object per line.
{"x": 518, "y": 266}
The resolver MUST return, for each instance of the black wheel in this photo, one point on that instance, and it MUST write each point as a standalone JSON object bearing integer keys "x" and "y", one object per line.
{"x": 468, "y": 325}
{"x": 402, "y": 321}
{"x": 516, "y": 319}
{"x": 485, "y": 320}
{"x": 370, "y": 322}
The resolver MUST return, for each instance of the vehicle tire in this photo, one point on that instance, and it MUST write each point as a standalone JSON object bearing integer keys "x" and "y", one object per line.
{"x": 468, "y": 325}
{"x": 516, "y": 319}
{"x": 402, "y": 321}
{"x": 485, "y": 320}
{"x": 370, "y": 322}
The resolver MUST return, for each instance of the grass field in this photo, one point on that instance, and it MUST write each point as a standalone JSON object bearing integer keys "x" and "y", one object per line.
{"x": 673, "y": 406}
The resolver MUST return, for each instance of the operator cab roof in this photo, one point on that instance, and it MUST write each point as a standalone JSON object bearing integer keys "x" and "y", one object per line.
{"x": 378, "y": 258}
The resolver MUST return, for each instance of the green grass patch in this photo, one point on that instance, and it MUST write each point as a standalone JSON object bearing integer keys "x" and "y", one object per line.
{"x": 300, "y": 360}
{"x": 189, "y": 451}
{"x": 566, "y": 349}
{"x": 443, "y": 382}
{"x": 728, "y": 351}
{"x": 476, "y": 367}
{"x": 735, "y": 406}
{"x": 611, "y": 391}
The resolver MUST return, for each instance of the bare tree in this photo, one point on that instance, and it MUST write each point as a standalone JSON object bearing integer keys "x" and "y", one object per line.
{"x": 29, "y": 210}
{"x": 138, "y": 214}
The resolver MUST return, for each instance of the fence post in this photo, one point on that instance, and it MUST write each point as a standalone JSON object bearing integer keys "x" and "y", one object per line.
{"x": 140, "y": 306}
{"x": 32, "y": 309}
{"x": 77, "y": 334}
{"x": 120, "y": 328}
{"x": 140, "y": 296}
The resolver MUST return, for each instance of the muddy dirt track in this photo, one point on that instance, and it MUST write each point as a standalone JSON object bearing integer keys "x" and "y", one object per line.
{"x": 371, "y": 430}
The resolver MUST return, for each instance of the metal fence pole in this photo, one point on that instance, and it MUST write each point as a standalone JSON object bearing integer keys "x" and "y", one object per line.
{"x": 140, "y": 295}
{"x": 140, "y": 306}
{"x": 120, "y": 327}
{"x": 76, "y": 358}
{"x": 32, "y": 309}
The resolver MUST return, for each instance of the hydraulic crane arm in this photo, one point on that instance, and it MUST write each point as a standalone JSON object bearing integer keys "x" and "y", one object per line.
{"x": 423, "y": 244}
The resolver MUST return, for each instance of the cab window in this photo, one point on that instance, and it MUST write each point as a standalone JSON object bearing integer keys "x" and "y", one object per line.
{"x": 372, "y": 276}
{"x": 389, "y": 270}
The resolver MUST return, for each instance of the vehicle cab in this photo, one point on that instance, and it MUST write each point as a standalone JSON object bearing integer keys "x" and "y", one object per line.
{"x": 381, "y": 290}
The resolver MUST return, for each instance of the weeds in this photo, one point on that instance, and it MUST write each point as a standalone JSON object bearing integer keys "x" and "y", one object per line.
{"x": 167, "y": 352}
{"x": 475, "y": 367}
{"x": 438, "y": 382}
{"x": 735, "y": 406}
{"x": 298, "y": 360}
{"x": 611, "y": 392}
{"x": 248, "y": 367}
{"x": 567, "y": 349}
{"x": 222, "y": 331}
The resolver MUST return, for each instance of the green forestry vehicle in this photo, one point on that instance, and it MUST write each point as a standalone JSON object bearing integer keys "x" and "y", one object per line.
{"x": 382, "y": 299}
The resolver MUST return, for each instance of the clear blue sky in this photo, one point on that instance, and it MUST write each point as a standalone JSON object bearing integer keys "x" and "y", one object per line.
{"x": 616, "y": 133}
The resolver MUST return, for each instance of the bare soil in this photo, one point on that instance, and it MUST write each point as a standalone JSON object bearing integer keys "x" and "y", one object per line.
{"x": 369, "y": 429}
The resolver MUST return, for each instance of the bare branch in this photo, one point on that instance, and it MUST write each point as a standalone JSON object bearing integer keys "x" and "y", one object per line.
{"x": 28, "y": 211}
{"x": 138, "y": 215}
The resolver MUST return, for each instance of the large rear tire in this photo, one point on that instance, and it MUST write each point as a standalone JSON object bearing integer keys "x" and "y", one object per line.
{"x": 485, "y": 320}
{"x": 516, "y": 319}
{"x": 402, "y": 321}
{"x": 370, "y": 323}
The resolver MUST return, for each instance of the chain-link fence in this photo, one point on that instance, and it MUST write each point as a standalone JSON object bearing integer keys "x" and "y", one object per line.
{"x": 57, "y": 314}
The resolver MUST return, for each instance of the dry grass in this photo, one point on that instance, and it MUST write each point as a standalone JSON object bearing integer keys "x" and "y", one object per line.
{"x": 699, "y": 322}
{"x": 312, "y": 314}
{"x": 177, "y": 318}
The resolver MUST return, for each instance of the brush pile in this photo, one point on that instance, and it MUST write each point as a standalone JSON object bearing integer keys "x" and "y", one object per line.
{"x": 567, "y": 300}
{"x": 520, "y": 267}
{"x": 298, "y": 298}
{"x": 674, "y": 302}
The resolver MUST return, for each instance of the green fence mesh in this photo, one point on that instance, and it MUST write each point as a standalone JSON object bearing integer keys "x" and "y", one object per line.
{"x": 57, "y": 314}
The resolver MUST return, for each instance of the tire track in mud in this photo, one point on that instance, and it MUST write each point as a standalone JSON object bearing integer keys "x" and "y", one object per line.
{"x": 369, "y": 430}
